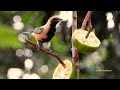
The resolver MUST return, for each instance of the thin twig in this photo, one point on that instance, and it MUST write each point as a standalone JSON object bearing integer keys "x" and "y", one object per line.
{"x": 89, "y": 28}
{"x": 86, "y": 19}
{"x": 47, "y": 52}
{"x": 75, "y": 54}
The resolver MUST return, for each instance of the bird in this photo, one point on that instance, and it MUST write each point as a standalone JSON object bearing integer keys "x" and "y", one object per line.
{"x": 46, "y": 32}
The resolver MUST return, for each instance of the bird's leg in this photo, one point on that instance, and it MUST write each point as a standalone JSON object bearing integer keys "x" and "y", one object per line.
{"x": 49, "y": 48}
{"x": 38, "y": 45}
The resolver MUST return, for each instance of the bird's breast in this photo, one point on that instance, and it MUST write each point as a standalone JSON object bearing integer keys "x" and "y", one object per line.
{"x": 39, "y": 37}
{"x": 50, "y": 34}
{"x": 46, "y": 35}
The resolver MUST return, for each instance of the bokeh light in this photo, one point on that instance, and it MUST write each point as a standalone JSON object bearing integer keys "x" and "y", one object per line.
{"x": 14, "y": 73}
{"x": 22, "y": 37}
{"x": 34, "y": 76}
{"x": 27, "y": 52}
{"x": 18, "y": 25}
{"x": 63, "y": 15}
{"x": 110, "y": 24}
{"x": 109, "y": 16}
{"x": 70, "y": 19}
{"x": 28, "y": 64}
{"x": 17, "y": 18}
{"x": 26, "y": 76}
{"x": 44, "y": 69}
{"x": 19, "y": 52}
{"x": 30, "y": 76}
{"x": 66, "y": 16}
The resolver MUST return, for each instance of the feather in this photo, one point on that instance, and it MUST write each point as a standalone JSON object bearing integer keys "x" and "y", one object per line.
{"x": 38, "y": 30}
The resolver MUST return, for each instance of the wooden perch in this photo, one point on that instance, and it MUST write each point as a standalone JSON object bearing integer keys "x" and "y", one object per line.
{"x": 75, "y": 53}
{"x": 47, "y": 52}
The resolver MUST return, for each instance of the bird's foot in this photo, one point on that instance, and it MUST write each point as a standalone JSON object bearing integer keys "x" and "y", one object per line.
{"x": 38, "y": 48}
{"x": 49, "y": 50}
{"x": 38, "y": 45}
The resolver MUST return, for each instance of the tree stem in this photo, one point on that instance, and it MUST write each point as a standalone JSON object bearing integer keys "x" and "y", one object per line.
{"x": 47, "y": 52}
{"x": 87, "y": 19}
{"x": 75, "y": 54}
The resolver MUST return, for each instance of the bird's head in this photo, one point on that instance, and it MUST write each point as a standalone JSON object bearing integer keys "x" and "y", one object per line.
{"x": 54, "y": 20}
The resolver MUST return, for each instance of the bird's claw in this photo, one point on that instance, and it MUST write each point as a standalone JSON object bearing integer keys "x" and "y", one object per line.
{"x": 38, "y": 47}
{"x": 49, "y": 50}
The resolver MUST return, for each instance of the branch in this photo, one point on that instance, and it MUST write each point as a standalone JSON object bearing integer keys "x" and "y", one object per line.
{"x": 47, "y": 52}
{"x": 75, "y": 54}
{"x": 87, "y": 19}
{"x": 89, "y": 28}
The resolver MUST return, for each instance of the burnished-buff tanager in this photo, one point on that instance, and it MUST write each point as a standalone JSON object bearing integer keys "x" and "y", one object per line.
{"x": 46, "y": 32}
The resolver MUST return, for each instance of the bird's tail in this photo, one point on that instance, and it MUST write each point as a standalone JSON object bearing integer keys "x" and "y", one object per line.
{"x": 28, "y": 32}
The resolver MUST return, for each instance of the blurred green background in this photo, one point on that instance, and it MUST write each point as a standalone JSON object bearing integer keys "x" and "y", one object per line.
{"x": 20, "y": 60}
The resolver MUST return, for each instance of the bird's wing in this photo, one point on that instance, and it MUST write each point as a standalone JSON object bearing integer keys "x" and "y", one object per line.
{"x": 38, "y": 30}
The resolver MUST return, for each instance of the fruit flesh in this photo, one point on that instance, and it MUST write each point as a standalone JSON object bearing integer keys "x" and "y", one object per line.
{"x": 65, "y": 73}
{"x": 85, "y": 45}
{"x": 92, "y": 40}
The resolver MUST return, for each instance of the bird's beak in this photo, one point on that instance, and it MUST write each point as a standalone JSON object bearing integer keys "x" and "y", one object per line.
{"x": 60, "y": 19}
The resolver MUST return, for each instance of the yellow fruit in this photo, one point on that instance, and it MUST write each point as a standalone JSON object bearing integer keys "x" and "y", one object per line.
{"x": 84, "y": 45}
{"x": 69, "y": 72}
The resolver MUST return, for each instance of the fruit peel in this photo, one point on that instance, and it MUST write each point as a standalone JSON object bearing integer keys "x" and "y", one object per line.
{"x": 74, "y": 72}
